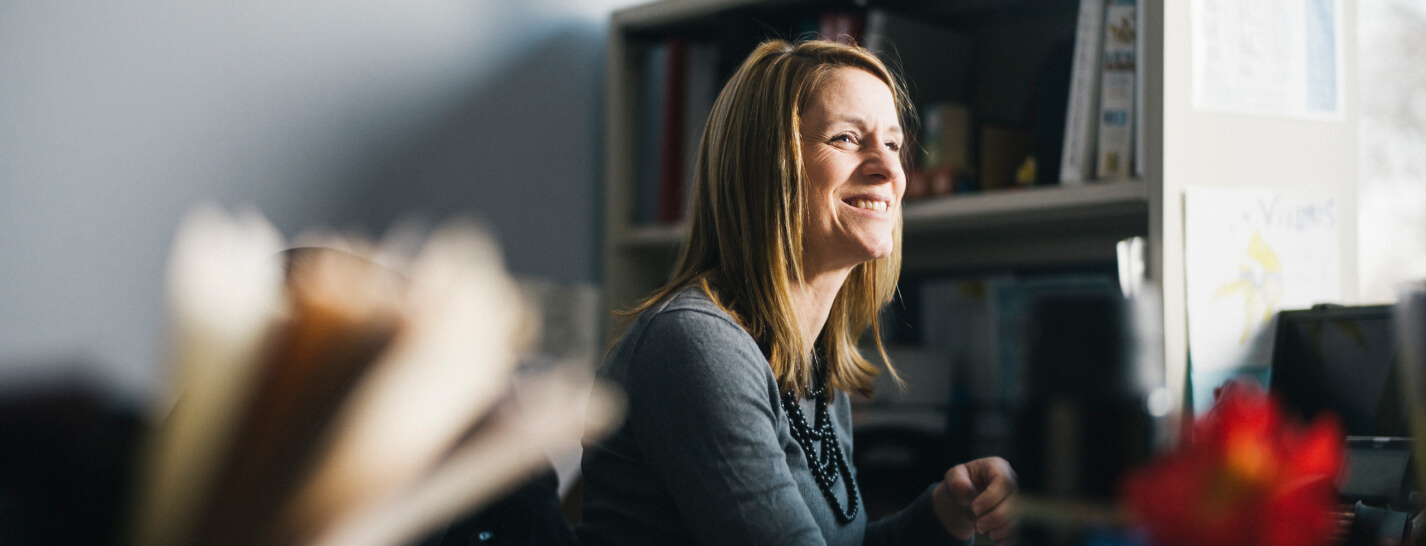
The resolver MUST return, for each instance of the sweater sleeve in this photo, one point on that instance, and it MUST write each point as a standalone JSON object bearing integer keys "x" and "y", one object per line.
{"x": 703, "y": 410}
{"x": 915, "y": 524}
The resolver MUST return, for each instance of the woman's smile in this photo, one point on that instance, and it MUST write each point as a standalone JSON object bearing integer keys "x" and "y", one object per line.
{"x": 869, "y": 204}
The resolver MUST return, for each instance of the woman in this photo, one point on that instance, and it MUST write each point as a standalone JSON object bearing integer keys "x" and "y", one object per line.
{"x": 737, "y": 371}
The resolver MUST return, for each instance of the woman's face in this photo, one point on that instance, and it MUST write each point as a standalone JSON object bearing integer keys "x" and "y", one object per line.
{"x": 851, "y": 140}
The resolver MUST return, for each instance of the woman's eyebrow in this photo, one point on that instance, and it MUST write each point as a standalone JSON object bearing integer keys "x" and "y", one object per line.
{"x": 849, "y": 120}
{"x": 861, "y": 123}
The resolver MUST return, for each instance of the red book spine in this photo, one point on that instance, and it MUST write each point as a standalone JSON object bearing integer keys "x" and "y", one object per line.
{"x": 671, "y": 171}
{"x": 841, "y": 27}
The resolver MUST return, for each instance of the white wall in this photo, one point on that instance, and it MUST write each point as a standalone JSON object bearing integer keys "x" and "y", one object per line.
{"x": 115, "y": 117}
{"x": 1392, "y": 146}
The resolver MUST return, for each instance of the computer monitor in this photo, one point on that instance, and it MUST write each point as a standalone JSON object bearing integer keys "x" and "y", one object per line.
{"x": 1343, "y": 360}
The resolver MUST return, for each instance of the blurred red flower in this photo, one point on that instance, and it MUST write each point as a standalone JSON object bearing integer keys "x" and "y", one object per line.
{"x": 1247, "y": 476}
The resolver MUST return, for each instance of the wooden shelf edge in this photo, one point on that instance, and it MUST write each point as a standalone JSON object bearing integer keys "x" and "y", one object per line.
{"x": 1027, "y": 205}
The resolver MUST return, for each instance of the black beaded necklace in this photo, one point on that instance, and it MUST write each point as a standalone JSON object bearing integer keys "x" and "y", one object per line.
{"x": 832, "y": 463}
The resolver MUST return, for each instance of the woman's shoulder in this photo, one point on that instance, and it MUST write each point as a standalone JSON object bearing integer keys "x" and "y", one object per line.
{"x": 688, "y": 335}
{"x": 690, "y": 309}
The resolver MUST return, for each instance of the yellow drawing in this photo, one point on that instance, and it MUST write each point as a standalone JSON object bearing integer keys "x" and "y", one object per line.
{"x": 1259, "y": 283}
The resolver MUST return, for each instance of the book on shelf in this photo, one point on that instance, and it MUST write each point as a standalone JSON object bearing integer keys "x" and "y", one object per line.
{"x": 679, "y": 85}
{"x": 650, "y": 123}
{"x": 1116, "y": 92}
{"x": 1082, "y": 111}
{"x": 701, "y": 89}
{"x": 1138, "y": 154}
{"x": 843, "y": 27}
{"x": 671, "y": 133}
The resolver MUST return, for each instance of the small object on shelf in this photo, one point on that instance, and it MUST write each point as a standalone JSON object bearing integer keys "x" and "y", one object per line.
{"x": 1025, "y": 174}
{"x": 946, "y": 137}
{"x": 942, "y": 181}
{"x": 917, "y": 185}
{"x": 945, "y": 146}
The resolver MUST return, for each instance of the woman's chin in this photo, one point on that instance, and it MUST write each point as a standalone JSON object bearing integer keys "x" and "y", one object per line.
{"x": 848, "y": 252}
{"x": 875, "y": 252}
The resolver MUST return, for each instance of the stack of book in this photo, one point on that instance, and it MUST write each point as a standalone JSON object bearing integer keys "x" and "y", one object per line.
{"x": 1103, "y": 122}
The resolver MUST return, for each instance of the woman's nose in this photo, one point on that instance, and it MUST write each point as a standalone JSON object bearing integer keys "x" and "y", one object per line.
{"x": 883, "y": 163}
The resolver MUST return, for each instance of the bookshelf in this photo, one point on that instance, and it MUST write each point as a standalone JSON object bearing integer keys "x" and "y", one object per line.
{"x": 1033, "y": 206}
{"x": 1041, "y": 226}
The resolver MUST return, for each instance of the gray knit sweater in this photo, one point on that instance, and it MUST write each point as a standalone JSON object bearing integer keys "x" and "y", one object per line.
{"x": 705, "y": 455}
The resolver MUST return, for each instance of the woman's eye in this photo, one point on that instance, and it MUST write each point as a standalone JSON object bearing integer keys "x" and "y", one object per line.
{"x": 893, "y": 145}
{"x": 844, "y": 139}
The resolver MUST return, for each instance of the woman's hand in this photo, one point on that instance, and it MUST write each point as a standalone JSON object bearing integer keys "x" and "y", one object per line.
{"x": 978, "y": 496}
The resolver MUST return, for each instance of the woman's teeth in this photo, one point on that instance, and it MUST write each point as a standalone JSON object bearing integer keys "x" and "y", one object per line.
{"x": 869, "y": 205}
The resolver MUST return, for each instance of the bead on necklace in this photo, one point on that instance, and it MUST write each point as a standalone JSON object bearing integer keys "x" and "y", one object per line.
{"x": 830, "y": 464}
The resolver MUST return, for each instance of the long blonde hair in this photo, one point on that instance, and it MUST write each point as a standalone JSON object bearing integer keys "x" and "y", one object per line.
{"x": 745, "y": 239}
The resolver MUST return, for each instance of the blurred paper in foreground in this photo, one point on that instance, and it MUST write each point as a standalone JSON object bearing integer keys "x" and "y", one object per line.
{"x": 323, "y": 398}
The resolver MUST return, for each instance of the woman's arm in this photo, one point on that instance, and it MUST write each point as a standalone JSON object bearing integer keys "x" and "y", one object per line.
{"x": 703, "y": 408}
{"x": 917, "y": 523}
{"x": 975, "y": 497}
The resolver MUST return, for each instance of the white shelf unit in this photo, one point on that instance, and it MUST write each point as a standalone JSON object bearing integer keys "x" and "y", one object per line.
{"x": 1039, "y": 226}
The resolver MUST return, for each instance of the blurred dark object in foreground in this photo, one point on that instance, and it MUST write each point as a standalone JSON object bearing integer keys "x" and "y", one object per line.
{"x": 65, "y": 466}
{"x": 895, "y": 464}
{"x": 1374, "y": 526}
{"x": 1084, "y": 422}
{"x": 529, "y": 516}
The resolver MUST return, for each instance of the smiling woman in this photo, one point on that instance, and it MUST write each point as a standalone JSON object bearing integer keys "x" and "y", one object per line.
{"x": 851, "y": 137}
{"x": 738, "y": 370}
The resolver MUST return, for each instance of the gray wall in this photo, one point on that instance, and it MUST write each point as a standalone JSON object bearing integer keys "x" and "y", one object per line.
{"x": 116, "y": 117}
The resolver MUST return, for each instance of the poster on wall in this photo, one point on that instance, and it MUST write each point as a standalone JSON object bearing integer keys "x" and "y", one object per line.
{"x": 1247, "y": 255}
{"x": 1280, "y": 58}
